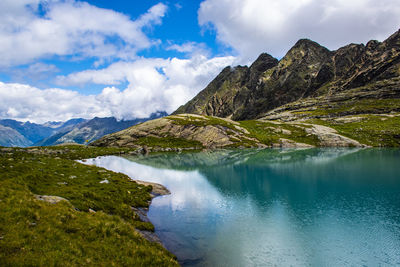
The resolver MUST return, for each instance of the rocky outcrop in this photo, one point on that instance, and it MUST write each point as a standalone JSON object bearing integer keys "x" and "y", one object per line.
{"x": 307, "y": 71}
{"x": 157, "y": 189}
{"x": 50, "y": 199}
{"x": 194, "y": 132}
{"x": 185, "y": 131}
{"x": 330, "y": 138}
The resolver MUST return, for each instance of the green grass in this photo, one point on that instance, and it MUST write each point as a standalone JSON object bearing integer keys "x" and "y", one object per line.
{"x": 168, "y": 142}
{"x": 78, "y": 151}
{"x": 265, "y": 132}
{"x": 373, "y": 130}
{"x": 196, "y": 121}
{"x": 37, "y": 233}
{"x": 363, "y": 106}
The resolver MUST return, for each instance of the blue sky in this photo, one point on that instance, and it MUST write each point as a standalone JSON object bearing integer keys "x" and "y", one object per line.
{"x": 65, "y": 59}
{"x": 179, "y": 26}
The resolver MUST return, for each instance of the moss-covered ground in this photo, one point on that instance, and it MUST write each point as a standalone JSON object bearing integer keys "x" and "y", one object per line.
{"x": 37, "y": 233}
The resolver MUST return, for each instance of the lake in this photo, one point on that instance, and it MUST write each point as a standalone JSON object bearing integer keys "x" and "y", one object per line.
{"x": 311, "y": 207}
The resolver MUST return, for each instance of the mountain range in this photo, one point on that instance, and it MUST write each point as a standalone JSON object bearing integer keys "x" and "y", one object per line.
{"x": 307, "y": 71}
{"x": 27, "y": 133}
{"x": 310, "y": 97}
{"x": 79, "y": 131}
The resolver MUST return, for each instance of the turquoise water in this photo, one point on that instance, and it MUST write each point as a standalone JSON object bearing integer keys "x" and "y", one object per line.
{"x": 314, "y": 207}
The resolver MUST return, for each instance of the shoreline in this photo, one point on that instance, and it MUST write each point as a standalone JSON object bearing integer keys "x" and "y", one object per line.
{"x": 158, "y": 190}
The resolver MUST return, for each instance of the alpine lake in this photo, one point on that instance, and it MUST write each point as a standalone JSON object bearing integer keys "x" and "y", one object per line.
{"x": 274, "y": 207}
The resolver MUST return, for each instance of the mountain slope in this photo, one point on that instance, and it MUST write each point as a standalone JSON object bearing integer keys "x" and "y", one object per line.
{"x": 194, "y": 132}
{"x": 307, "y": 71}
{"x": 311, "y": 97}
{"x": 190, "y": 131}
{"x": 33, "y": 132}
{"x": 11, "y": 138}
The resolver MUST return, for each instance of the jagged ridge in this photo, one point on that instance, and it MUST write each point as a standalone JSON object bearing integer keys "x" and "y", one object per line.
{"x": 308, "y": 70}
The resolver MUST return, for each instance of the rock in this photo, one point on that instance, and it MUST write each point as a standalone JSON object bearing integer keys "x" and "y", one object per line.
{"x": 158, "y": 189}
{"x": 286, "y": 143}
{"x": 150, "y": 236}
{"x": 218, "y": 133}
{"x": 349, "y": 119}
{"x": 105, "y": 181}
{"x": 50, "y": 199}
{"x": 145, "y": 150}
{"x": 330, "y": 138}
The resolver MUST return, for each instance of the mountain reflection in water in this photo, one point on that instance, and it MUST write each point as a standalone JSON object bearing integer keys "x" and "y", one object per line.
{"x": 318, "y": 207}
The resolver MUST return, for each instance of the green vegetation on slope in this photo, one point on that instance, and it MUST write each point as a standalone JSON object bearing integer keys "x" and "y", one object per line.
{"x": 201, "y": 121}
{"x": 347, "y": 124}
{"x": 168, "y": 142}
{"x": 271, "y": 133}
{"x": 363, "y": 106}
{"x": 372, "y": 130}
{"x": 267, "y": 133}
{"x": 34, "y": 232}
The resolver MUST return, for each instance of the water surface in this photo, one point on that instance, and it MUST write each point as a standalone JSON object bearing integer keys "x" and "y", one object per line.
{"x": 313, "y": 207}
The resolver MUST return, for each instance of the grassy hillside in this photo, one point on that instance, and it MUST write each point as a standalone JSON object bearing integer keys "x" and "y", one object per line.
{"x": 298, "y": 128}
{"x": 94, "y": 225}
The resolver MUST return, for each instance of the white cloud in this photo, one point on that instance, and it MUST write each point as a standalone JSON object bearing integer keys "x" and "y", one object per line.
{"x": 255, "y": 26}
{"x": 153, "y": 85}
{"x": 35, "y": 72}
{"x": 70, "y": 28}
{"x": 189, "y": 48}
{"x": 23, "y": 102}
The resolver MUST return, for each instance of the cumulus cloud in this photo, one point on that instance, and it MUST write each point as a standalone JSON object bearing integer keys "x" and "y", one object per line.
{"x": 153, "y": 85}
{"x": 23, "y": 102}
{"x": 34, "y": 72}
{"x": 34, "y": 29}
{"x": 255, "y": 26}
{"x": 189, "y": 48}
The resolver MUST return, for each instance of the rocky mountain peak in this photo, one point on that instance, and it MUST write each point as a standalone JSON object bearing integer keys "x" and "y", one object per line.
{"x": 307, "y": 70}
{"x": 263, "y": 62}
{"x": 393, "y": 40}
{"x": 306, "y": 43}
{"x": 373, "y": 44}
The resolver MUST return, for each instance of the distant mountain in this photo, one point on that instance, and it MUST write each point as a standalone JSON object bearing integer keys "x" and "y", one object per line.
{"x": 61, "y": 125}
{"x": 88, "y": 131}
{"x": 32, "y": 132}
{"x": 11, "y": 138}
{"x": 307, "y": 71}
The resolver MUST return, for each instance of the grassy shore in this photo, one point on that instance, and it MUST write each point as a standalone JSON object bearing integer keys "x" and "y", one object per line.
{"x": 95, "y": 225}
